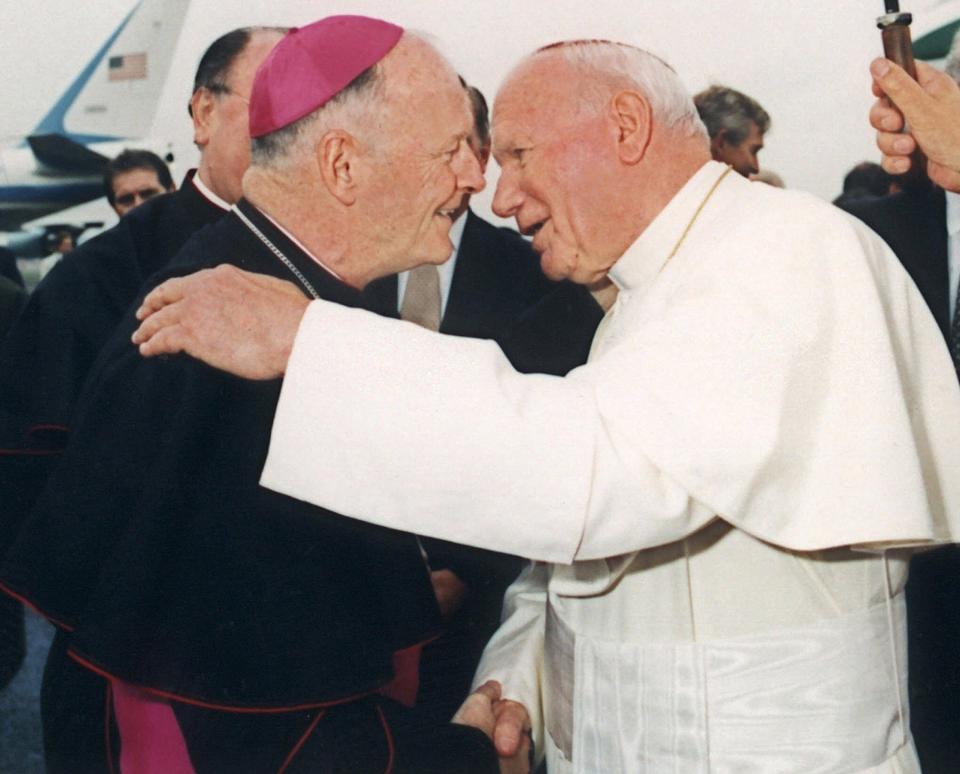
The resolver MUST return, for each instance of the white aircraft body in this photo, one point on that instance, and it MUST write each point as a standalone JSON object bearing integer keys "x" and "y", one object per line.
{"x": 112, "y": 104}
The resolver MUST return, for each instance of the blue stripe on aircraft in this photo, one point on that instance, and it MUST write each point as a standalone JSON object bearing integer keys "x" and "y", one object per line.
{"x": 70, "y": 193}
{"x": 52, "y": 122}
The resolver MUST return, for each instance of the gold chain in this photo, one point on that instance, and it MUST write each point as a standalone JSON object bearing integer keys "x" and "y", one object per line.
{"x": 696, "y": 215}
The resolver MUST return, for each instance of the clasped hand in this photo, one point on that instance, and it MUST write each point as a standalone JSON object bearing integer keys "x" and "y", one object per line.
{"x": 505, "y": 722}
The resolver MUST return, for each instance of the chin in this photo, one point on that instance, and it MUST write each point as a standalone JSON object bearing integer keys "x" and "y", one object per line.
{"x": 554, "y": 269}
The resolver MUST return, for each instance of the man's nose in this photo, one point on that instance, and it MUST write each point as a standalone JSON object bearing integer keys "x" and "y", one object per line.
{"x": 469, "y": 173}
{"x": 507, "y": 198}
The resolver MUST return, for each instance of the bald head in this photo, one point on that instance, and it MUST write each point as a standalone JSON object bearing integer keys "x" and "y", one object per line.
{"x": 593, "y": 139}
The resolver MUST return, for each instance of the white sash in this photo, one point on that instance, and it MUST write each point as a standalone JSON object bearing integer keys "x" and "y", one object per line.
{"x": 819, "y": 698}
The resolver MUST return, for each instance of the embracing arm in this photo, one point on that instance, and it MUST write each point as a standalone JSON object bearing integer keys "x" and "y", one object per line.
{"x": 443, "y": 424}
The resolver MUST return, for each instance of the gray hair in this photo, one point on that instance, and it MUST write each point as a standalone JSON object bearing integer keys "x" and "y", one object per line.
{"x": 621, "y": 64}
{"x": 952, "y": 65}
{"x": 346, "y": 109}
{"x": 724, "y": 109}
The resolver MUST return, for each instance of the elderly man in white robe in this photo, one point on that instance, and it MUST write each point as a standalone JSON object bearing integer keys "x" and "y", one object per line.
{"x": 720, "y": 504}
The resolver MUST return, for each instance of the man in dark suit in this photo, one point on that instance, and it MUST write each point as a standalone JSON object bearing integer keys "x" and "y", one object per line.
{"x": 921, "y": 226}
{"x": 47, "y": 356}
{"x": 492, "y": 287}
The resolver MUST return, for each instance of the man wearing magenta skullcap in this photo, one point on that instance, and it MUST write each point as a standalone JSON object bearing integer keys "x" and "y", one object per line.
{"x": 242, "y": 630}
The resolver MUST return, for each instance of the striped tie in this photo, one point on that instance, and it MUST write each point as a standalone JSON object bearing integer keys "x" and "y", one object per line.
{"x": 955, "y": 336}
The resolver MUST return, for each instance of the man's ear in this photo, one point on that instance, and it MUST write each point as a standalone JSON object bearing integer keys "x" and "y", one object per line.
{"x": 717, "y": 143}
{"x": 202, "y": 107}
{"x": 634, "y": 121}
{"x": 337, "y": 157}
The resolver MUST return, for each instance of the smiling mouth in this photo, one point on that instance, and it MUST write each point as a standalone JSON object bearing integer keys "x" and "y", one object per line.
{"x": 448, "y": 213}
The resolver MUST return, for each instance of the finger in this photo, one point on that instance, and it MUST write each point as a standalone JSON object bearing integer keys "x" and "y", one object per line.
{"x": 168, "y": 341}
{"x": 884, "y": 117}
{"x": 490, "y": 689}
{"x": 165, "y": 293}
{"x": 895, "y": 144}
{"x": 164, "y": 317}
{"x": 511, "y": 727}
{"x": 932, "y": 80}
{"x": 895, "y": 165}
{"x": 519, "y": 763}
{"x": 905, "y": 92}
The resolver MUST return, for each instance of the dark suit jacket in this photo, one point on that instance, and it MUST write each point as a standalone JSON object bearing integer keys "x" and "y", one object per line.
{"x": 498, "y": 292}
{"x": 914, "y": 225}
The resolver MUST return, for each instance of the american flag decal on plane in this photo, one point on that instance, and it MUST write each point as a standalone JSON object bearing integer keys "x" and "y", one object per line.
{"x": 127, "y": 67}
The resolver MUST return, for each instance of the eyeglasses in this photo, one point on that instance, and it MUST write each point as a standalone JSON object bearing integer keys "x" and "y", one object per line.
{"x": 222, "y": 88}
{"x": 137, "y": 197}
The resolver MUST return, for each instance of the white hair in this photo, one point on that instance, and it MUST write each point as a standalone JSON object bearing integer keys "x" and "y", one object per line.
{"x": 606, "y": 63}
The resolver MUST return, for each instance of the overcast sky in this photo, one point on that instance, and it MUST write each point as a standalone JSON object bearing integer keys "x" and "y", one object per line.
{"x": 806, "y": 62}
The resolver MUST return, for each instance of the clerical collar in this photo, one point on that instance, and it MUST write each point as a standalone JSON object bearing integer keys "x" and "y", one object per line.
{"x": 207, "y": 194}
{"x": 644, "y": 259}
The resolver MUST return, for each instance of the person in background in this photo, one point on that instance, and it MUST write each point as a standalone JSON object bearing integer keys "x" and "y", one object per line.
{"x": 134, "y": 177}
{"x": 867, "y": 180}
{"x": 769, "y": 177}
{"x": 921, "y": 224}
{"x": 736, "y": 124}
{"x": 48, "y": 354}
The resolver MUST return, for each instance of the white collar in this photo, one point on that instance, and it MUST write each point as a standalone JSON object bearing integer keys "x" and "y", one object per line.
{"x": 644, "y": 259}
{"x": 206, "y": 193}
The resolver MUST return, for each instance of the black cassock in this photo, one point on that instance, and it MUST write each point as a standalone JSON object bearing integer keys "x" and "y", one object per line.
{"x": 45, "y": 359}
{"x": 47, "y": 355}
{"x": 174, "y": 571}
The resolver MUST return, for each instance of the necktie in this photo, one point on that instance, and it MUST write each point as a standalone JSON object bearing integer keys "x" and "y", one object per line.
{"x": 955, "y": 336}
{"x": 421, "y": 300}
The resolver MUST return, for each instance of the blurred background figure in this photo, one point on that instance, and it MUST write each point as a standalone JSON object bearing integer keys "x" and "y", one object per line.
{"x": 736, "y": 124}
{"x": 867, "y": 180}
{"x": 922, "y": 226}
{"x": 133, "y": 177}
{"x": 769, "y": 177}
{"x": 61, "y": 242}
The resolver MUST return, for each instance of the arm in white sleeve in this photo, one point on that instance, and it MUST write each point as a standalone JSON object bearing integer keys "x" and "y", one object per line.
{"x": 386, "y": 422}
{"x": 514, "y": 655}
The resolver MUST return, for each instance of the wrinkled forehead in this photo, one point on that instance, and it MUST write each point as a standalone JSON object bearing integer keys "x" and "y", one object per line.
{"x": 542, "y": 91}
{"x": 419, "y": 79}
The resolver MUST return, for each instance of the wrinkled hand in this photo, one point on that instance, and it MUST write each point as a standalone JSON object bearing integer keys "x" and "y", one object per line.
{"x": 505, "y": 722}
{"x": 231, "y": 319}
{"x": 931, "y": 106}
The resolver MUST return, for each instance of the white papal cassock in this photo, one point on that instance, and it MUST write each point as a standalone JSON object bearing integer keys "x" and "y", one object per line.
{"x": 717, "y": 501}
